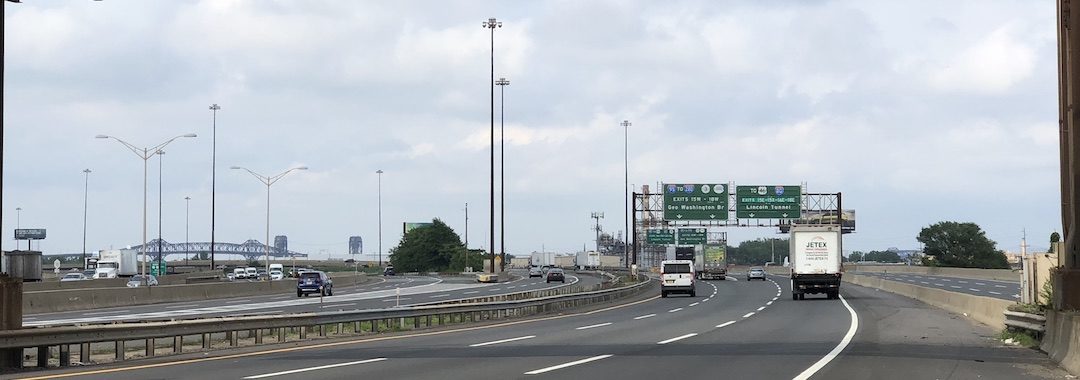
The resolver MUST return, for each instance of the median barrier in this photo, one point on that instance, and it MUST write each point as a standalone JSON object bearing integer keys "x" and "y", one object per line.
{"x": 1062, "y": 339}
{"x": 972, "y": 273}
{"x": 54, "y": 284}
{"x": 985, "y": 310}
{"x": 50, "y": 301}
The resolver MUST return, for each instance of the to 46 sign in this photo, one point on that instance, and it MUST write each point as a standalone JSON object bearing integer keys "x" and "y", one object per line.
{"x": 768, "y": 202}
{"x": 695, "y": 202}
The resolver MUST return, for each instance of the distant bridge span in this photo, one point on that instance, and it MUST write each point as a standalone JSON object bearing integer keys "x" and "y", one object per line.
{"x": 251, "y": 249}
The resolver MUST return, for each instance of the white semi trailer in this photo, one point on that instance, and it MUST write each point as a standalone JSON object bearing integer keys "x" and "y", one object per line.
{"x": 815, "y": 261}
{"x": 113, "y": 263}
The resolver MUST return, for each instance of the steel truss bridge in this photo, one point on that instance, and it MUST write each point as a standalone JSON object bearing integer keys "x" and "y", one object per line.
{"x": 251, "y": 249}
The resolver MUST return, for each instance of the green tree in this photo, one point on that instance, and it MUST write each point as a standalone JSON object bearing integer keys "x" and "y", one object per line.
{"x": 855, "y": 257}
{"x": 757, "y": 252}
{"x": 883, "y": 257}
{"x": 965, "y": 245}
{"x": 1054, "y": 238}
{"x": 428, "y": 249}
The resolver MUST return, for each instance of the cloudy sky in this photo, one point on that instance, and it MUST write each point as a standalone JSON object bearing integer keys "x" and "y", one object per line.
{"x": 917, "y": 111}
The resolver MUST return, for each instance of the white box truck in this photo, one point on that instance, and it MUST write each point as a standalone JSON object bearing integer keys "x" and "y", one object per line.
{"x": 711, "y": 262}
{"x": 588, "y": 260}
{"x": 815, "y": 261}
{"x": 113, "y": 263}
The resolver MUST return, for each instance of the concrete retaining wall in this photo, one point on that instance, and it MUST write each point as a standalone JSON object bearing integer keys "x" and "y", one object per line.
{"x": 1062, "y": 339}
{"x": 973, "y": 273}
{"x": 986, "y": 310}
{"x": 84, "y": 299}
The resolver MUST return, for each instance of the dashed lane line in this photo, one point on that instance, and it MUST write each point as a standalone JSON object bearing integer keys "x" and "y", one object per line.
{"x": 725, "y": 324}
{"x": 314, "y": 368}
{"x": 502, "y": 341}
{"x": 676, "y": 339}
{"x": 593, "y": 326}
{"x": 644, "y": 316}
{"x": 674, "y": 310}
{"x": 570, "y": 364}
{"x": 748, "y": 315}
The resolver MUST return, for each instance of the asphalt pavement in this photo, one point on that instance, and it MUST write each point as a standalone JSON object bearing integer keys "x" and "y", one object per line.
{"x": 1006, "y": 290}
{"x": 385, "y": 292}
{"x": 733, "y": 329}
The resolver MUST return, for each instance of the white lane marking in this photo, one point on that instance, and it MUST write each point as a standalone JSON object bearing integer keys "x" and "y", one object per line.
{"x": 954, "y": 287}
{"x": 107, "y": 312}
{"x": 725, "y": 324}
{"x": 706, "y": 300}
{"x": 805, "y": 375}
{"x": 180, "y": 306}
{"x": 999, "y": 286}
{"x": 645, "y": 316}
{"x": 769, "y": 303}
{"x": 974, "y": 290}
{"x": 472, "y": 292}
{"x": 678, "y": 338}
{"x": 570, "y": 364}
{"x": 924, "y": 282}
{"x": 748, "y": 315}
{"x": 775, "y": 298}
{"x": 439, "y": 295}
{"x": 995, "y": 293}
{"x": 315, "y": 368}
{"x": 939, "y": 284}
{"x": 695, "y": 304}
{"x": 593, "y": 326}
{"x": 980, "y": 283}
{"x": 339, "y": 305}
{"x": 761, "y": 308}
{"x": 494, "y": 290}
{"x": 674, "y": 310}
{"x": 945, "y": 279}
{"x": 962, "y": 282}
{"x": 502, "y": 341}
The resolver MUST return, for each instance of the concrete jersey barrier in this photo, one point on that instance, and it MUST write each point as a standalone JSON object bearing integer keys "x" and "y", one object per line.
{"x": 985, "y": 310}
{"x": 1062, "y": 339}
{"x": 972, "y": 273}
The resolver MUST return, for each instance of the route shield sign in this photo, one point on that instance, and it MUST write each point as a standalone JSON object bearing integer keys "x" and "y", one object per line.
{"x": 695, "y": 202}
{"x": 768, "y": 202}
{"x": 692, "y": 236}
{"x": 660, "y": 236}
{"x": 158, "y": 270}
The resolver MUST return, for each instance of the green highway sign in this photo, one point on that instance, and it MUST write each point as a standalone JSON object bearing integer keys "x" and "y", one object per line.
{"x": 660, "y": 236}
{"x": 692, "y": 236}
{"x": 768, "y": 202}
{"x": 695, "y": 202}
{"x": 158, "y": 271}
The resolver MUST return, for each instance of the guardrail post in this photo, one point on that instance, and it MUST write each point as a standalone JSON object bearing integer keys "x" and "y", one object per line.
{"x": 416, "y": 322}
{"x": 258, "y": 336}
{"x": 43, "y": 356}
{"x": 206, "y": 341}
{"x": 121, "y": 352}
{"x": 178, "y": 344}
{"x": 84, "y": 353}
{"x": 150, "y": 347}
{"x": 322, "y": 330}
{"x": 234, "y": 338}
{"x": 428, "y": 320}
{"x": 281, "y": 334}
{"x": 341, "y": 328}
{"x": 303, "y": 332}
{"x": 65, "y": 355}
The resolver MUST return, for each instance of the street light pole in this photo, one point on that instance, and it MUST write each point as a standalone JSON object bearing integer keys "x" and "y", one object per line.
{"x": 187, "y": 228}
{"x": 626, "y": 195}
{"x": 502, "y": 83}
{"x": 466, "y": 236}
{"x": 213, "y": 181}
{"x": 491, "y": 23}
{"x": 269, "y": 180}
{"x": 86, "y": 190}
{"x": 144, "y": 154}
{"x": 18, "y": 220}
{"x": 598, "y": 216}
{"x": 380, "y": 172}
{"x": 160, "y": 245}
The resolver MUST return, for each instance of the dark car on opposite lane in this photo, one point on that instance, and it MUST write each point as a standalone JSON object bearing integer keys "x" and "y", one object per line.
{"x": 555, "y": 274}
{"x": 317, "y": 282}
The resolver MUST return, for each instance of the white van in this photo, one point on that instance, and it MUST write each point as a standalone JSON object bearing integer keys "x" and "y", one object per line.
{"x": 252, "y": 272}
{"x": 239, "y": 273}
{"x": 677, "y": 276}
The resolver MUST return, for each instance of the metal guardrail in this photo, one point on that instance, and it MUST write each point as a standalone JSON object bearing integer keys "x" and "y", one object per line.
{"x": 421, "y": 316}
{"x": 1025, "y": 321}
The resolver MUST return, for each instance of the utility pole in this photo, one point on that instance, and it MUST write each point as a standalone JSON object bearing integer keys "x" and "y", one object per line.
{"x": 597, "y": 215}
{"x": 626, "y": 194}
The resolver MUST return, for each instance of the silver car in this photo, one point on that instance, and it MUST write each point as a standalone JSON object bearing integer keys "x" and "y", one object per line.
{"x": 137, "y": 281}
{"x": 755, "y": 272}
{"x": 76, "y": 276}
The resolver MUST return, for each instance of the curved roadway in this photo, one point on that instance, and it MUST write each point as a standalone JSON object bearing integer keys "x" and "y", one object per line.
{"x": 735, "y": 329}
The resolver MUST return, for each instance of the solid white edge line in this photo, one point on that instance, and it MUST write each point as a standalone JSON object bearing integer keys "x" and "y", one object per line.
{"x": 678, "y": 338}
{"x": 725, "y": 324}
{"x": 645, "y": 316}
{"x": 835, "y": 351}
{"x": 593, "y": 326}
{"x": 502, "y": 341}
{"x": 314, "y": 368}
{"x": 570, "y": 364}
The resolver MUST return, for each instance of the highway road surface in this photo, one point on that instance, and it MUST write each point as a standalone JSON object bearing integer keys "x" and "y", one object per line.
{"x": 384, "y": 292}
{"x": 733, "y": 329}
{"x": 1006, "y": 290}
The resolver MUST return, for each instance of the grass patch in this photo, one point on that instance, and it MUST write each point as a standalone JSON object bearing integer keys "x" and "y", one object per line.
{"x": 1022, "y": 338}
{"x": 1029, "y": 308}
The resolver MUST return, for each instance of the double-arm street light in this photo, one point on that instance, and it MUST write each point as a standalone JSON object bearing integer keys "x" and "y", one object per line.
{"x": 491, "y": 23}
{"x": 144, "y": 154}
{"x": 502, "y": 83}
{"x": 268, "y": 180}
